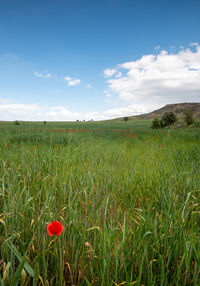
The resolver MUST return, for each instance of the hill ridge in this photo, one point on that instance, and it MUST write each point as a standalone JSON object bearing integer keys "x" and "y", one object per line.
{"x": 177, "y": 108}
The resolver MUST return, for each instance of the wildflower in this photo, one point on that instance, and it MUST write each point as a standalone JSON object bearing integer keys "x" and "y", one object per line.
{"x": 87, "y": 244}
{"x": 21, "y": 140}
{"x": 160, "y": 146}
{"x": 55, "y": 227}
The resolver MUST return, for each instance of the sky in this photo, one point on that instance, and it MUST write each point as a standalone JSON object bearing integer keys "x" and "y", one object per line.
{"x": 66, "y": 60}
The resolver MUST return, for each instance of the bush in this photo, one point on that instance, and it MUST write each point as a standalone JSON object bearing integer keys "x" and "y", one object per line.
{"x": 168, "y": 118}
{"x": 17, "y": 122}
{"x": 156, "y": 123}
{"x": 189, "y": 117}
{"x": 126, "y": 119}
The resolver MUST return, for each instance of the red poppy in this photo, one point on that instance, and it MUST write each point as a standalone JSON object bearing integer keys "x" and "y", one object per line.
{"x": 55, "y": 227}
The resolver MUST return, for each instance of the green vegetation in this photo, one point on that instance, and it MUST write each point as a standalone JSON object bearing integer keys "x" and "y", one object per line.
{"x": 17, "y": 122}
{"x": 156, "y": 123}
{"x": 126, "y": 118}
{"x": 167, "y": 119}
{"x": 189, "y": 117}
{"x": 128, "y": 196}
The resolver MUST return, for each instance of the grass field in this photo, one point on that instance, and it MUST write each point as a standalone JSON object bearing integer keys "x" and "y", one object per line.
{"x": 128, "y": 196}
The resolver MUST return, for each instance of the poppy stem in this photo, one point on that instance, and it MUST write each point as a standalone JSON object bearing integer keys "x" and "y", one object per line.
{"x": 59, "y": 261}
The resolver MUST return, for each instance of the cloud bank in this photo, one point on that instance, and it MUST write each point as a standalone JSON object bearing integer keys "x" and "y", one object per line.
{"x": 155, "y": 80}
{"x": 35, "y": 112}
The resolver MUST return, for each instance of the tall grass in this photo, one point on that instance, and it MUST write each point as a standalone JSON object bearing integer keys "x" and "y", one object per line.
{"x": 129, "y": 198}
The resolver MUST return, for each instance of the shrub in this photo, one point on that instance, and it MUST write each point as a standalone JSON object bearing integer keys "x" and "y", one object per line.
{"x": 126, "y": 119}
{"x": 17, "y": 122}
{"x": 156, "y": 123}
{"x": 168, "y": 118}
{"x": 189, "y": 117}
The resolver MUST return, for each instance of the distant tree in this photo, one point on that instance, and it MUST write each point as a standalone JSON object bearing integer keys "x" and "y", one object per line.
{"x": 17, "y": 122}
{"x": 168, "y": 118}
{"x": 44, "y": 122}
{"x": 126, "y": 119}
{"x": 156, "y": 123}
{"x": 189, "y": 119}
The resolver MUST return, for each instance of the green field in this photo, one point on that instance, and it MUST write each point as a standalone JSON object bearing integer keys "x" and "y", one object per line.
{"x": 128, "y": 196}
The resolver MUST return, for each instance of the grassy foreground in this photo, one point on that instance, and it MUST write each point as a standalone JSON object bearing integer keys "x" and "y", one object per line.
{"x": 128, "y": 196}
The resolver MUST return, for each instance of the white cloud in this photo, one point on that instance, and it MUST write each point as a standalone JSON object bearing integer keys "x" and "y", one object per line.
{"x": 118, "y": 75}
{"x": 125, "y": 111}
{"x": 68, "y": 78}
{"x": 157, "y": 48}
{"x": 155, "y": 80}
{"x": 109, "y": 72}
{"x": 60, "y": 113}
{"x": 34, "y": 112}
{"x": 108, "y": 93}
{"x": 72, "y": 82}
{"x": 194, "y": 44}
{"x": 4, "y": 100}
{"x": 88, "y": 85}
{"x": 91, "y": 115}
{"x": 37, "y": 74}
{"x": 17, "y": 111}
{"x": 116, "y": 112}
{"x": 17, "y": 108}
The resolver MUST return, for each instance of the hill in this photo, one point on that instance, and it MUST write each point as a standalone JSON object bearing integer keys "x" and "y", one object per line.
{"x": 178, "y": 109}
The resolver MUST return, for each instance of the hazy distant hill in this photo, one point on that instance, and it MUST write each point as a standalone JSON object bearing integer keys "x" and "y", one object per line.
{"x": 178, "y": 109}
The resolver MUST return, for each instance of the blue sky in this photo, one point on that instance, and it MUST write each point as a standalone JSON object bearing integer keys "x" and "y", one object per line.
{"x": 83, "y": 59}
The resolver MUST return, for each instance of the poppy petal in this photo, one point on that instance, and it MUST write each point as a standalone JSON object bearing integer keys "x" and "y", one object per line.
{"x": 55, "y": 228}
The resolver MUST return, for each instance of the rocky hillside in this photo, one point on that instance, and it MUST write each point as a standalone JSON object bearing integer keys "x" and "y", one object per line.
{"x": 178, "y": 109}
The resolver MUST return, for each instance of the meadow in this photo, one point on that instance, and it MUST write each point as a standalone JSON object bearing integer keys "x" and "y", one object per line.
{"x": 127, "y": 195}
